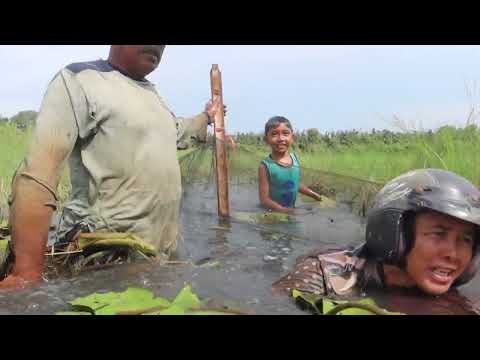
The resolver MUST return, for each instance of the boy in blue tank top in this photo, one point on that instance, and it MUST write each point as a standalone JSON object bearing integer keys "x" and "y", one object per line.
{"x": 279, "y": 177}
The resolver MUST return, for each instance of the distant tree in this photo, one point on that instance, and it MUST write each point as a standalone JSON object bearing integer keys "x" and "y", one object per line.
{"x": 313, "y": 136}
{"x": 24, "y": 119}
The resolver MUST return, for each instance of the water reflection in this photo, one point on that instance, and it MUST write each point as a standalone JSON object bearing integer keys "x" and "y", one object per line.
{"x": 234, "y": 262}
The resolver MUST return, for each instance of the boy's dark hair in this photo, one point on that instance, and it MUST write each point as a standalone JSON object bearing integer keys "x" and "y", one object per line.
{"x": 273, "y": 122}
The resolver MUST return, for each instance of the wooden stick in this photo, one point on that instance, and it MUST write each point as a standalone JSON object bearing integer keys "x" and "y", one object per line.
{"x": 220, "y": 149}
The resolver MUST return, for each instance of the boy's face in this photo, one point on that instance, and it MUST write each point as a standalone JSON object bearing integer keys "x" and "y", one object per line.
{"x": 279, "y": 138}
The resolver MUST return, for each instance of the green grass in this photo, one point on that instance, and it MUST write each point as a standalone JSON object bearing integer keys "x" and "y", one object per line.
{"x": 13, "y": 147}
{"x": 376, "y": 156}
{"x": 451, "y": 149}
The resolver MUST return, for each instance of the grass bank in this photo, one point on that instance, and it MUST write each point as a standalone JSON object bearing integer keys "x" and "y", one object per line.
{"x": 376, "y": 156}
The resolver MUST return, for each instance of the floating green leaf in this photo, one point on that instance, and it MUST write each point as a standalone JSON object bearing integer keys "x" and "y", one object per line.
{"x": 325, "y": 203}
{"x": 116, "y": 239}
{"x": 172, "y": 310}
{"x": 111, "y": 303}
{"x": 186, "y": 299}
{"x": 266, "y": 217}
{"x": 4, "y": 244}
{"x": 3, "y": 249}
{"x": 209, "y": 312}
{"x": 365, "y": 306}
{"x": 72, "y": 313}
{"x": 138, "y": 301}
{"x": 311, "y": 299}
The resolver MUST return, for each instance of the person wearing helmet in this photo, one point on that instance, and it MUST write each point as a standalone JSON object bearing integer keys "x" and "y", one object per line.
{"x": 422, "y": 233}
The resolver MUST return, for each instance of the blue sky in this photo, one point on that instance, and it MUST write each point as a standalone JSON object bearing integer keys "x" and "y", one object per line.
{"x": 324, "y": 87}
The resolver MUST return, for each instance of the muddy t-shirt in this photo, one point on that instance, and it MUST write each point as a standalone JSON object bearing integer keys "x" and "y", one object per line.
{"x": 119, "y": 138}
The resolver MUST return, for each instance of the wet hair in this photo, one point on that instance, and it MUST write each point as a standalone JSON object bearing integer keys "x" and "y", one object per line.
{"x": 273, "y": 122}
{"x": 371, "y": 275}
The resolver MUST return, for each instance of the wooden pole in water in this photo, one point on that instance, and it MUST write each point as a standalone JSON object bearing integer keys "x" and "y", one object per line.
{"x": 221, "y": 164}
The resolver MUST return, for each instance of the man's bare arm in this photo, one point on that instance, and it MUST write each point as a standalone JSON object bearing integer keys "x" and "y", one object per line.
{"x": 33, "y": 197}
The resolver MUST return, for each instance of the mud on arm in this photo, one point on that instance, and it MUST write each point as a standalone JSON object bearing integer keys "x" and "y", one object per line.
{"x": 33, "y": 198}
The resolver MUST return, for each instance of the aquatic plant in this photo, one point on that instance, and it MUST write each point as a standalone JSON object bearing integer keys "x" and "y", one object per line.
{"x": 140, "y": 301}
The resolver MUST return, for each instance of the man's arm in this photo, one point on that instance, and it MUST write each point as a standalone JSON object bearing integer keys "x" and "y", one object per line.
{"x": 196, "y": 127}
{"x": 34, "y": 187}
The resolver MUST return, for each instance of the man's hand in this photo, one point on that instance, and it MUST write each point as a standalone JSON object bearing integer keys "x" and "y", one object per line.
{"x": 212, "y": 107}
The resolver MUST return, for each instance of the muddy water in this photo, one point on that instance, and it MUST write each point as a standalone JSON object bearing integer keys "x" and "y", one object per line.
{"x": 240, "y": 260}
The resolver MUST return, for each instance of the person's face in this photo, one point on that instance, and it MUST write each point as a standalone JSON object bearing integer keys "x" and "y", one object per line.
{"x": 279, "y": 138}
{"x": 140, "y": 60}
{"x": 442, "y": 251}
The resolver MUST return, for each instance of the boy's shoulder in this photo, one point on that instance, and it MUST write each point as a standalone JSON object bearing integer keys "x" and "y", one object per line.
{"x": 265, "y": 163}
{"x": 267, "y": 158}
{"x": 295, "y": 156}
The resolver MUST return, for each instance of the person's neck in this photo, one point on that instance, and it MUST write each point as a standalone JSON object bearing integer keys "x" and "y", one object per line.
{"x": 280, "y": 156}
{"x": 123, "y": 69}
{"x": 394, "y": 276}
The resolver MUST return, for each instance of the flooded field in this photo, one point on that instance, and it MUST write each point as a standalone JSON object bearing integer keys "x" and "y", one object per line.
{"x": 240, "y": 259}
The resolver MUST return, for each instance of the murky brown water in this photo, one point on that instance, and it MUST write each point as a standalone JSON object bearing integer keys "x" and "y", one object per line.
{"x": 250, "y": 258}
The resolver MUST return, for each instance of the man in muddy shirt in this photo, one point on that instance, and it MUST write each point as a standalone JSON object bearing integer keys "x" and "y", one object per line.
{"x": 119, "y": 138}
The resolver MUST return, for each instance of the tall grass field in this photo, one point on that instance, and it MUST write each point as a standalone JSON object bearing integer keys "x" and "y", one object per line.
{"x": 376, "y": 156}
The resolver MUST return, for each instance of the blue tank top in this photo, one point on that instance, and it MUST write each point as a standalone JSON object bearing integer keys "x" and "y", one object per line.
{"x": 284, "y": 181}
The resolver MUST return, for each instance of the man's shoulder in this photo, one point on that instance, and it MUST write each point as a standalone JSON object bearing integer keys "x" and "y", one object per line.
{"x": 97, "y": 65}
